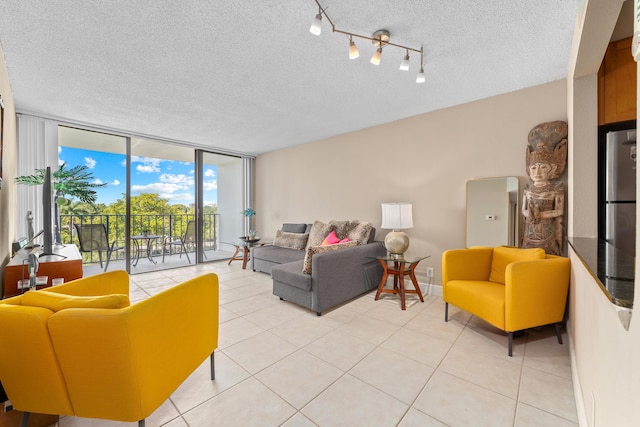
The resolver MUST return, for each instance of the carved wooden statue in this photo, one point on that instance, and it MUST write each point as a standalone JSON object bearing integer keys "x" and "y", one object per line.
{"x": 543, "y": 198}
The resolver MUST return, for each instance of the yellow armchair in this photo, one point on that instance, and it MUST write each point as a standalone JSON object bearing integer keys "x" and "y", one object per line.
{"x": 512, "y": 289}
{"x": 110, "y": 363}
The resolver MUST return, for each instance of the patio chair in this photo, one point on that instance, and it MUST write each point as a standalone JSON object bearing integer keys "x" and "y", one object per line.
{"x": 189, "y": 238}
{"x": 94, "y": 237}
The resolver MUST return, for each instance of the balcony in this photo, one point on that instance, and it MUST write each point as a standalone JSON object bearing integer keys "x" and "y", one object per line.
{"x": 146, "y": 254}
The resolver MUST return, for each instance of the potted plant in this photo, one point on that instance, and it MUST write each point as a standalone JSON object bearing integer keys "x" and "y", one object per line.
{"x": 248, "y": 214}
{"x": 74, "y": 182}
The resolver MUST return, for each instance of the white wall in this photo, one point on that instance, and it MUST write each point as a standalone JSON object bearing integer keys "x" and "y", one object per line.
{"x": 605, "y": 356}
{"x": 425, "y": 160}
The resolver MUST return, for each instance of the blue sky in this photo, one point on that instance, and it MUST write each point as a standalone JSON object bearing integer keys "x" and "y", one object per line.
{"x": 172, "y": 180}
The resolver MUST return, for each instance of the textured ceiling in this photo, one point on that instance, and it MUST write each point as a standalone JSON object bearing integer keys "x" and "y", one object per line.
{"x": 248, "y": 76}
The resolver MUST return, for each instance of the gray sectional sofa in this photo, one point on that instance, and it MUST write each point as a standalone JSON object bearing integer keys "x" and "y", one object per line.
{"x": 336, "y": 276}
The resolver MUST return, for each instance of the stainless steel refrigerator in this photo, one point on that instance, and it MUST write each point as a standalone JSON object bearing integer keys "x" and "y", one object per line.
{"x": 621, "y": 190}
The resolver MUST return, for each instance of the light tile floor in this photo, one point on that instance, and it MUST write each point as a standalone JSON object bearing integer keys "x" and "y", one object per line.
{"x": 366, "y": 363}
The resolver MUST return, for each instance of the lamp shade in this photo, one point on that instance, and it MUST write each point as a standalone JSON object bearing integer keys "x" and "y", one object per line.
{"x": 397, "y": 216}
{"x": 316, "y": 25}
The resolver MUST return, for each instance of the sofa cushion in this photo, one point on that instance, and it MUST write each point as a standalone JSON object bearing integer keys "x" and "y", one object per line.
{"x": 277, "y": 254}
{"x": 291, "y": 240}
{"x": 291, "y": 274}
{"x": 360, "y": 231}
{"x": 56, "y": 302}
{"x": 505, "y": 255}
{"x": 294, "y": 228}
{"x": 319, "y": 230}
{"x": 313, "y": 250}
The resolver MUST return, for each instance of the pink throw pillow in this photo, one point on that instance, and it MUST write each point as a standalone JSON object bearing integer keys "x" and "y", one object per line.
{"x": 345, "y": 240}
{"x": 331, "y": 239}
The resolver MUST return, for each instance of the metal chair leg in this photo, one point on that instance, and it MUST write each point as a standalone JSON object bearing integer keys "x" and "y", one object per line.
{"x": 141, "y": 423}
{"x": 557, "y": 325}
{"x": 108, "y": 259}
{"x": 184, "y": 248}
{"x": 510, "y": 334}
{"x": 24, "y": 422}
{"x": 446, "y": 311}
{"x": 213, "y": 366}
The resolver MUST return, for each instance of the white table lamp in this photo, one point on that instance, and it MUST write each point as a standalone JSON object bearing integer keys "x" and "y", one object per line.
{"x": 396, "y": 216}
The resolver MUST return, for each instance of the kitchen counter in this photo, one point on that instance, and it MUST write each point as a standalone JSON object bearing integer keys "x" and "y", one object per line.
{"x": 614, "y": 269}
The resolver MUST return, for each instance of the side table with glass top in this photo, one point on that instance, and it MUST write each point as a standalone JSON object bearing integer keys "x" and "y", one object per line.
{"x": 244, "y": 247}
{"x": 398, "y": 268}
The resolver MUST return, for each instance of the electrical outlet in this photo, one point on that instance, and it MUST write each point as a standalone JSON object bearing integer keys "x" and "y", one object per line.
{"x": 429, "y": 271}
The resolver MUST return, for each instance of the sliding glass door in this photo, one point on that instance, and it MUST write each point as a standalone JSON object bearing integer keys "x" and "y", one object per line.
{"x": 220, "y": 203}
{"x": 162, "y": 205}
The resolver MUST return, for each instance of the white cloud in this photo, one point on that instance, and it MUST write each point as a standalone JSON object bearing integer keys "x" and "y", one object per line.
{"x": 115, "y": 182}
{"x": 97, "y": 181}
{"x": 188, "y": 197}
{"x": 209, "y": 173}
{"x": 177, "y": 179}
{"x": 148, "y": 164}
{"x": 59, "y": 149}
{"x": 148, "y": 168}
{"x": 89, "y": 162}
{"x": 159, "y": 187}
{"x": 210, "y": 185}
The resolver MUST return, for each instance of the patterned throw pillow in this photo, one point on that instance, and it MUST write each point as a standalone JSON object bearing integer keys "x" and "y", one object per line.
{"x": 360, "y": 231}
{"x": 291, "y": 240}
{"x": 341, "y": 227}
{"x": 319, "y": 230}
{"x": 313, "y": 250}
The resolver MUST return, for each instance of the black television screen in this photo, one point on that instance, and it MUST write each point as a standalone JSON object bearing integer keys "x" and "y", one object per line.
{"x": 47, "y": 226}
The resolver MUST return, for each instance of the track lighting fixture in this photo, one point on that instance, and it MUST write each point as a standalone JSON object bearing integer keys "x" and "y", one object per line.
{"x": 353, "y": 50}
{"x": 379, "y": 39}
{"x": 316, "y": 25}
{"x": 375, "y": 59}
{"x": 404, "y": 65}
{"x": 421, "y": 77}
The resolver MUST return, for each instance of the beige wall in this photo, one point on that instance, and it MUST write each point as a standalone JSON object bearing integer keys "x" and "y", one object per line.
{"x": 9, "y": 162}
{"x": 425, "y": 160}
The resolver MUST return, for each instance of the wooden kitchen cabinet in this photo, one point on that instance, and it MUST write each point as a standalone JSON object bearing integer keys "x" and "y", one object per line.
{"x": 617, "y": 84}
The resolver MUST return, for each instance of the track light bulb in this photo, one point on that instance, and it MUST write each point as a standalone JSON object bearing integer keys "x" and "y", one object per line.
{"x": 421, "y": 78}
{"x": 375, "y": 59}
{"x": 404, "y": 65}
{"x": 353, "y": 50}
{"x": 316, "y": 25}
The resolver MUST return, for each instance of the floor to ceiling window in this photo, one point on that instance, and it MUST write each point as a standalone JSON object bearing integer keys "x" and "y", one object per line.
{"x": 220, "y": 201}
{"x": 161, "y": 205}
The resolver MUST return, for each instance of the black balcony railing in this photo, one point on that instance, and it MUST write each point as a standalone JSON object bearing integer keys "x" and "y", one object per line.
{"x": 166, "y": 226}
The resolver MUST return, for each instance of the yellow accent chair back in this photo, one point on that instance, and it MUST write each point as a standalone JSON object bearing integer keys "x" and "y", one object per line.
{"x": 80, "y": 349}
{"x": 512, "y": 289}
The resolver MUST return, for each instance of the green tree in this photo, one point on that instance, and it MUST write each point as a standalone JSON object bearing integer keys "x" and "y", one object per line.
{"x": 75, "y": 182}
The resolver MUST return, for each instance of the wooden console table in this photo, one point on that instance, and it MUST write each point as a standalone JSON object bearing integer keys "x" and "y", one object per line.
{"x": 66, "y": 263}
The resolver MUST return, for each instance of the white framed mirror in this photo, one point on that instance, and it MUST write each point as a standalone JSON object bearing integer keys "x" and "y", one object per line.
{"x": 493, "y": 211}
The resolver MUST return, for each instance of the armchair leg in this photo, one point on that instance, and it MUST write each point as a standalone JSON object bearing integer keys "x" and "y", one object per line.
{"x": 141, "y": 423}
{"x": 446, "y": 311}
{"x": 213, "y": 366}
{"x": 557, "y": 325}
{"x": 24, "y": 422}
{"x": 510, "y": 334}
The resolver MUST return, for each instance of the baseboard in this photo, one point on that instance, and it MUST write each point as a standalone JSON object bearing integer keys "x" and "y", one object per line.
{"x": 581, "y": 410}
{"x": 430, "y": 289}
